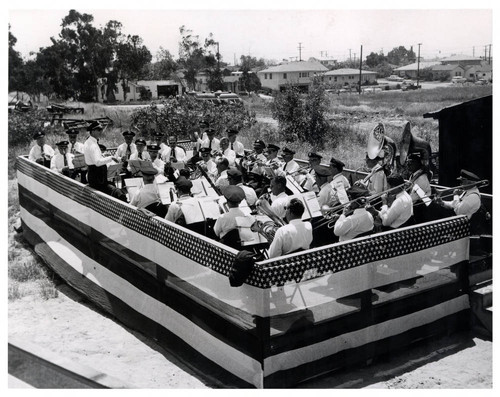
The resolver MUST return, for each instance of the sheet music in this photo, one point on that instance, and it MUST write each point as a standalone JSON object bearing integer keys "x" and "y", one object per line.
{"x": 191, "y": 211}
{"x": 114, "y": 170}
{"x": 312, "y": 204}
{"x": 293, "y": 186}
{"x": 198, "y": 189}
{"x": 133, "y": 185}
{"x": 164, "y": 192}
{"x": 209, "y": 207}
{"x": 79, "y": 160}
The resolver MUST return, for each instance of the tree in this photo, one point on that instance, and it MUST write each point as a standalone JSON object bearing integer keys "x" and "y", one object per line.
{"x": 374, "y": 59}
{"x": 401, "y": 56}
{"x": 164, "y": 67}
{"x": 15, "y": 65}
{"x": 249, "y": 80}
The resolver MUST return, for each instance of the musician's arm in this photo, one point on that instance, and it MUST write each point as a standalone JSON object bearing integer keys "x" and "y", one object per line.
{"x": 343, "y": 225}
{"x": 276, "y": 248}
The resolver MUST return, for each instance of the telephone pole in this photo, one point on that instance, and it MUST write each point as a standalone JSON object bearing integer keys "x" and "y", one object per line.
{"x": 300, "y": 51}
{"x": 418, "y": 63}
{"x": 489, "y": 55}
{"x": 360, "y": 65}
{"x": 349, "y": 55}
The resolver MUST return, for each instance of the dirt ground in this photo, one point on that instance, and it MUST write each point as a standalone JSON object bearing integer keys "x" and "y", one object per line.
{"x": 71, "y": 327}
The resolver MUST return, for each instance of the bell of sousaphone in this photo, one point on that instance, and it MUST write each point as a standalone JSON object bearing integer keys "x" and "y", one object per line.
{"x": 411, "y": 144}
{"x": 375, "y": 141}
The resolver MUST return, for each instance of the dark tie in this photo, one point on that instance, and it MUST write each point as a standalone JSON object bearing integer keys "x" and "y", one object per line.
{"x": 210, "y": 144}
{"x": 41, "y": 151}
{"x": 173, "y": 154}
{"x": 65, "y": 160}
{"x": 140, "y": 155}
{"x": 232, "y": 146}
{"x": 73, "y": 149}
{"x": 129, "y": 151}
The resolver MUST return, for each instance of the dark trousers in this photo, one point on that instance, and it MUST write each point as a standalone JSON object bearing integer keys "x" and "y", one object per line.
{"x": 98, "y": 179}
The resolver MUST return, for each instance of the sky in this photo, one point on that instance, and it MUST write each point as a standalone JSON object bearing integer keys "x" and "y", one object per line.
{"x": 275, "y": 30}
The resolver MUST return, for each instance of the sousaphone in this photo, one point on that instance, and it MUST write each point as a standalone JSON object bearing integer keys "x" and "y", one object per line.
{"x": 410, "y": 144}
{"x": 375, "y": 141}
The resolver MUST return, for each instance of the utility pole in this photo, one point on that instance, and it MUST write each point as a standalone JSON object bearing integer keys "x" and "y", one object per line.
{"x": 418, "y": 63}
{"x": 300, "y": 51}
{"x": 473, "y": 51}
{"x": 485, "y": 47}
{"x": 489, "y": 55}
{"x": 349, "y": 55}
{"x": 360, "y": 65}
{"x": 218, "y": 57}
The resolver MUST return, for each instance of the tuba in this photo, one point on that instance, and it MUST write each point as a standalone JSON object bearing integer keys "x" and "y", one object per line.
{"x": 410, "y": 144}
{"x": 267, "y": 229}
{"x": 380, "y": 145}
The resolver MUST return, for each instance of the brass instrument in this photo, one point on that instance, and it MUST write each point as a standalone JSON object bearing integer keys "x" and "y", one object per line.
{"x": 267, "y": 229}
{"x": 410, "y": 144}
{"x": 364, "y": 182}
{"x": 381, "y": 145}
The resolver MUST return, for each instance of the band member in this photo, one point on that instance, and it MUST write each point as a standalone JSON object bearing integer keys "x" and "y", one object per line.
{"x": 307, "y": 178}
{"x": 41, "y": 152}
{"x": 173, "y": 153}
{"x": 158, "y": 138}
{"x": 421, "y": 190}
{"x": 62, "y": 162}
{"x": 290, "y": 166}
{"x": 227, "y": 222}
{"x": 355, "y": 219}
{"x": 272, "y": 160}
{"x": 227, "y": 152}
{"x": 376, "y": 182}
{"x": 183, "y": 187}
{"x": 235, "y": 145}
{"x": 467, "y": 199}
{"x": 326, "y": 196}
{"x": 296, "y": 235}
{"x": 140, "y": 154}
{"x": 148, "y": 194}
{"x": 222, "y": 167}
{"x": 339, "y": 182}
{"x": 211, "y": 141}
{"x": 98, "y": 172}
{"x": 279, "y": 198}
{"x": 158, "y": 164}
{"x": 126, "y": 149}
{"x": 74, "y": 146}
{"x": 235, "y": 177}
{"x": 397, "y": 207}
{"x": 207, "y": 163}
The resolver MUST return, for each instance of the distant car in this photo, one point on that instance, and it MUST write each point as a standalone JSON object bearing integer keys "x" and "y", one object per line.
{"x": 411, "y": 86}
{"x": 458, "y": 80}
{"x": 481, "y": 82}
{"x": 393, "y": 77}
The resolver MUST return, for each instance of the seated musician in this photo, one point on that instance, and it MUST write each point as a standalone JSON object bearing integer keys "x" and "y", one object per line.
{"x": 377, "y": 179}
{"x": 421, "y": 187}
{"x": 226, "y": 223}
{"x": 397, "y": 207}
{"x": 148, "y": 194}
{"x": 235, "y": 145}
{"x": 183, "y": 187}
{"x": 290, "y": 166}
{"x": 98, "y": 172}
{"x": 211, "y": 142}
{"x": 154, "y": 151}
{"x": 62, "y": 162}
{"x": 227, "y": 152}
{"x": 307, "y": 179}
{"x": 272, "y": 160}
{"x": 41, "y": 152}
{"x": 279, "y": 198}
{"x": 74, "y": 146}
{"x": 235, "y": 177}
{"x": 339, "y": 183}
{"x": 222, "y": 168}
{"x": 158, "y": 138}
{"x": 124, "y": 151}
{"x": 140, "y": 154}
{"x": 467, "y": 199}
{"x": 173, "y": 153}
{"x": 296, "y": 235}
{"x": 207, "y": 163}
{"x": 326, "y": 197}
{"x": 355, "y": 219}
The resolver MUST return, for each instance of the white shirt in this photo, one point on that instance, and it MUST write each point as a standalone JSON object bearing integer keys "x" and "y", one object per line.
{"x": 145, "y": 156}
{"x": 377, "y": 183}
{"x": 148, "y": 194}
{"x": 211, "y": 168}
{"x": 348, "y": 227}
{"x": 326, "y": 195}
{"x": 174, "y": 210}
{"x": 279, "y": 203}
{"x": 57, "y": 162}
{"x": 237, "y": 147}
{"x": 222, "y": 179}
{"x": 215, "y": 144}
{"x": 250, "y": 195}
{"x": 291, "y": 167}
{"x": 159, "y": 166}
{"x": 289, "y": 238}
{"x": 180, "y": 154}
{"x": 78, "y": 148}
{"x": 36, "y": 152}
{"x": 93, "y": 154}
{"x": 399, "y": 212}
{"x": 163, "y": 146}
{"x": 339, "y": 185}
{"x": 121, "y": 150}
{"x": 230, "y": 155}
{"x": 466, "y": 204}
{"x": 422, "y": 181}
{"x": 227, "y": 222}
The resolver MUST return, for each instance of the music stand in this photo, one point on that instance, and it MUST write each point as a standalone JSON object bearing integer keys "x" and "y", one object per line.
{"x": 114, "y": 170}
{"x": 79, "y": 161}
{"x": 135, "y": 166}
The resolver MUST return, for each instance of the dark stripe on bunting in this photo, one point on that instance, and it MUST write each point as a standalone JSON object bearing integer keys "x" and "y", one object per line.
{"x": 205, "y": 369}
{"x": 218, "y": 319}
{"x": 346, "y": 358}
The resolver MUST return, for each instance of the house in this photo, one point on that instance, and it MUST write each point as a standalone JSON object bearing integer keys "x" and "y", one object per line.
{"x": 463, "y": 60}
{"x": 451, "y": 70}
{"x": 299, "y": 74}
{"x": 324, "y": 61}
{"x": 348, "y": 76}
{"x": 132, "y": 91}
{"x": 477, "y": 72}
{"x": 158, "y": 89}
{"x": 411, "y": 70}
{"x": 162, "y": 88}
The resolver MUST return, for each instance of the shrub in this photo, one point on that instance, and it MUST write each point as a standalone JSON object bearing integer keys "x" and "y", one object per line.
{"x": 22, "y": 126}
{"x": 25, "y": 271}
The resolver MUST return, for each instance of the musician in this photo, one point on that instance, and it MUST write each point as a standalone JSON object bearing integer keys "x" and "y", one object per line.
{"x": 279, "y": 198}
{"x": 183, "y": 187}
{"x": 158, "y": 138}
{"x": 227, "y": 222}
{"x": 339, "y": 183}
{"x": 355, "y": 219}
{"x": 140, "y": 154}
{"x": 62, "y": 162}
{"x": 211, "y": 141}
{"x": 222, "y": 167}
{"x": 98, "y": 172}
{"x": 74, "y": 146}
{"x": 207, "y": 163}
{"x": 290, "y": 166}
{"x": 397, "y": 207}
{"x": 235, "y": 145}
{"x": 148, "y": 194}
{"x": 158, "y": 164}
{"x": 173, "y": 153}
{"x": 227, "y": 152}
{"x": 272, "y": 160}
{"x": 467, "y": 200}
{"x": 421, "y": 187}
{"x": 41, "y": 152}
{"x": 126, "y": 149}
{"x": 377, "y": 180}
{"x": 235, "y": 177}
{"x": 296, "y": 235}
{"x": 326, "y": 197}
{"x": 258, "y": 157}
{"x": 307, "y": 178}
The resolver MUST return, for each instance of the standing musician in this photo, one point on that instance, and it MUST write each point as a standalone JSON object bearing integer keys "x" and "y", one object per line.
{"x": 421, "y": 187}
{"x": 211, "y": 141}
{"x": 307, "y": 180}
{"x": 296, "y": 235}
{"x": 355, "y": 219}
{"x": 207, "y": 163}
{"x": 225, "y": 227}
{"x": 227, "y": 152}
{"x": 339, "y": 183}
{"x": 41, "y": 152}
{"x": 467, "y": 200}
{"x": 148, "y": 194}
{"x": 157, "y": 162}
{"x": 98, "y": 172}
{"x": 279, "y": 198}
{"x": 235, "y": 145}
{"x": 290, "y": 166}
{"x": 62, "y": 162}
{"x": 235, "y": 177}
{"x": 397, "y": 207}
{"x": 183, "y": 187}
{"x": 222, "y": 168}
{"x": 140, "y": 154}
{"x": 173, "y": 153}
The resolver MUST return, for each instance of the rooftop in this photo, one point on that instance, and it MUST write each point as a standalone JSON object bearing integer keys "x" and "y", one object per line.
{"x": 347, "y": 71}
{"x": 300, "y": 66}
{"x": 415, "y": 66}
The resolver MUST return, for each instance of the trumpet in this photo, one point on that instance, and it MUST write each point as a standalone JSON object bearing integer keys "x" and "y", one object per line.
{"x": 301, "y": 170}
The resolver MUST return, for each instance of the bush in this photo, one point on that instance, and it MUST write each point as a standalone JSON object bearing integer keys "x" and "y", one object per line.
{"x": 23, "y": 125}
